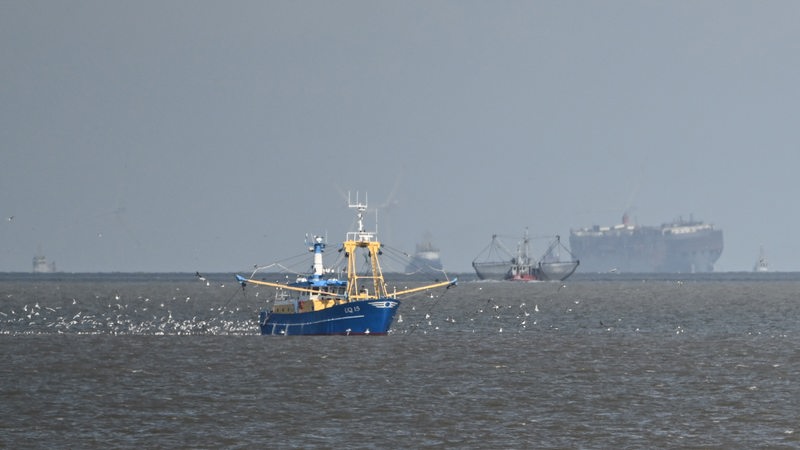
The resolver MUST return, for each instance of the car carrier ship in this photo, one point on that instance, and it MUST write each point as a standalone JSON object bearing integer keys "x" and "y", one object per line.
{"x": 677, "y": 247}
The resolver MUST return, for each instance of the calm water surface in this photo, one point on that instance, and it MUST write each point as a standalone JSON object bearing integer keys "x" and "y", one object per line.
{"x": 598, "y": 363}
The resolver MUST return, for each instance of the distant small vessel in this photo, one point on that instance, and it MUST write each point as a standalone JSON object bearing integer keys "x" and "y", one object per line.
{"x": 317, "y": 304}
{"x": 426, "y": 259}
{"x": 41, "y": 265}
{"x": 495, "y": 262}
{"x": 762, "y": 265}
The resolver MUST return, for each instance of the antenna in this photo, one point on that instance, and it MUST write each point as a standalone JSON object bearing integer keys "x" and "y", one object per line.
{"x": 361, "y": 234}
{"x": 360, "y": 207}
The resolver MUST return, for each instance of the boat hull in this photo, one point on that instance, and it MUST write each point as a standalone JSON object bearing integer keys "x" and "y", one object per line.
{"x": 427, "y": 263}
{"x": 361, "y": 317}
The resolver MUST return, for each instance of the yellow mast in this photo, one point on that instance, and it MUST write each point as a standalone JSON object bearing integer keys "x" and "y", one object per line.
{"x": 363, "y": 240}
{"x": 359, "y": 287}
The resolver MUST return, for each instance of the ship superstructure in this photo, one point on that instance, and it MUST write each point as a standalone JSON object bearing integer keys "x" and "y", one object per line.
{"x": 681, "y": 246}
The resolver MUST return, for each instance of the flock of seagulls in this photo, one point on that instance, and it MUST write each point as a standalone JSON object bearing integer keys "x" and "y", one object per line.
{"x": 119, "y": 319}
{"x": 124, "y": 313}
{"x": 491, "y": 316}
{"x": 193, "y": 312}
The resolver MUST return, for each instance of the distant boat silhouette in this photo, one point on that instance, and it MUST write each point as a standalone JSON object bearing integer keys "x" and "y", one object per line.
{"x": 762, "y": 265}
{"x": 41, "y": 265}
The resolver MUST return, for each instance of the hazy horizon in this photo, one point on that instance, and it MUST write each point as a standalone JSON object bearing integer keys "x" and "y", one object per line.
{"x": 181, "y": 136}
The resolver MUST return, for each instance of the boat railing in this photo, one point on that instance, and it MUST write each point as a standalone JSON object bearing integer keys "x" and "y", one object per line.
{"x": 360, "y": 236}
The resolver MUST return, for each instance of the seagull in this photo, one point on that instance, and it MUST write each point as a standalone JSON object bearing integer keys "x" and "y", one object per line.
{"x": 200, "y": 277}
{"x": 10, "y": 218}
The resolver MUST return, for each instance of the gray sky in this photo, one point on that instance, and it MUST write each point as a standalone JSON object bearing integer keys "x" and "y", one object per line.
{"x": 195, "y": 135}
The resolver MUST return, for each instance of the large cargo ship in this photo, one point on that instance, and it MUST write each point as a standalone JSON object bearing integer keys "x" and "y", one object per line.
{"x": 426, "y": 260}
{"x": 677, "y": 247}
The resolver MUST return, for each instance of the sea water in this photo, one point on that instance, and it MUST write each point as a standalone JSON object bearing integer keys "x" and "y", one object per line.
{"x": 606, "y": 362}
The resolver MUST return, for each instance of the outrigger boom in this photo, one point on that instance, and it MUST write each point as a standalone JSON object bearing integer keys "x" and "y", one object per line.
{"x": 449, "y": 283}
{"x": 242, "y": 280}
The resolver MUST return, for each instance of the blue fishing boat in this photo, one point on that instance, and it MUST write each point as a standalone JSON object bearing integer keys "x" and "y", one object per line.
{"x": 322, "y": 304}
